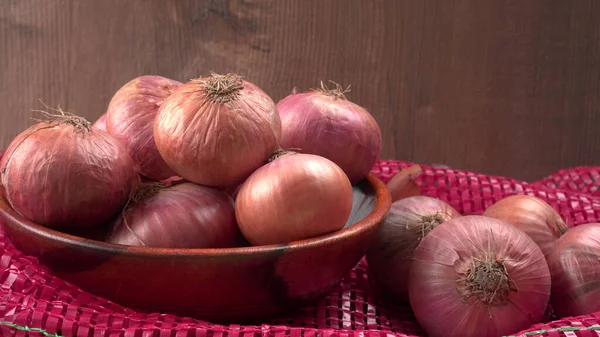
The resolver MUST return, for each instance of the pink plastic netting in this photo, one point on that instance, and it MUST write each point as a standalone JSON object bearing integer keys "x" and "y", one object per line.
{"x": 32, "y": 297}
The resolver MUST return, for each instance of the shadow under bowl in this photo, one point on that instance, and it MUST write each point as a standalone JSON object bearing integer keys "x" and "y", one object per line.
{"x": 219, "y": 285}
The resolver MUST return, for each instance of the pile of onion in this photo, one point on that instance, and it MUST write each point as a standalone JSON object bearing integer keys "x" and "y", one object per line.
{"x": 130, "y": 118}
{"x": 162, "y": 166}
{"x": 533, "y": 216}
{"x": 409, "y": 220}
{"x": 478, "y": 276}
{"x": 295, "y": 196}
{"x": 184, "y": 215}
{"x": 216, "y": 131}
{"x": 64, "y": 174}
{"x": 575, "y": 268}
{"x": 323, "y": 122}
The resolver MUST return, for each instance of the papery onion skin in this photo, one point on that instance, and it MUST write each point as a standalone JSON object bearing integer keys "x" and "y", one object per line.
{"x": 575, "y": 267}
{"x": 62, "y": 177}
{"x": 217, "y": 137}
{"x": 296, "y": 196}
{"x": 389, "y": 257}
{"x": 100, "y": 123}
{"x": 443, "y": 259}
{"x": 184, "y": 215}
{"x": 325, "y": 123}
{"x": 130, "y": 118}
{"x": 533, "y": 216}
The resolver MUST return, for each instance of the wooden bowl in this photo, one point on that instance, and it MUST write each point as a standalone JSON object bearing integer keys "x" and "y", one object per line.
{"x": 220, "y": 285}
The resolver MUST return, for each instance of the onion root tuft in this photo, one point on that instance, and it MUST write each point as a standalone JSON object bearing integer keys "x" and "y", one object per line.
{"x": 337, "y": 93}
{"x": 62, "y": 117}
{"x": 222, "y": 88}
{"x": 144, "y": 191}
{"x": 487, "y": 281}
{"x": 426, "y": 224}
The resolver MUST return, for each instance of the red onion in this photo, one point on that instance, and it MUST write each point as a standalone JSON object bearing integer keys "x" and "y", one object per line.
{"x": 575, "y": 267}
{"x": 478, "y": 276}
{"x": 325, "y": 123}
{"x": 181, "y": 216}
{"x": 408, "y": 221}
{"x": 218, "y": 130}
{"x": 404, "y": 183}
{"x": 130, "y": 118}
{"x": 533, "y": 216}
{"x": 64, "y": 174}
{"x": 100, "y": 123}
{"x": 294, "y": 197}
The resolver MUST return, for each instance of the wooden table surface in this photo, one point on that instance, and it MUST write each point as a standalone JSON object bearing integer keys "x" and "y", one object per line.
{"x": 501, "y": 87}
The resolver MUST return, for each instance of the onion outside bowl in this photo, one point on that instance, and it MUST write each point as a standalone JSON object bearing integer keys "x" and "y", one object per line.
{"x": 220, "y": 285}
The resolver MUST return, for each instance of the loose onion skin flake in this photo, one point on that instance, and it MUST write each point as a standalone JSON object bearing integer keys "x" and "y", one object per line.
{"x": 409, "y": 220}
{"x": 216, "y": 131}
{"x": 533, "y": 216}
{"x": 478, "y": 276}
{"x": 66, "y": 175}
{"x": 575, "y": 267}
{"x": 130, "y": 118}
{"x": 183, "y": 215}
{"x": 296, "y": 196}
{"x": 323, "y": 122}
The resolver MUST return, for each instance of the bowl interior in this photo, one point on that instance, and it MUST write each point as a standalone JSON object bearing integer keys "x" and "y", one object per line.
{"x": 364, "y": 201}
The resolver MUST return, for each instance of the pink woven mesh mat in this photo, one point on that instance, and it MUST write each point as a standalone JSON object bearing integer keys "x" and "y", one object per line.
{"x": 33, "y": 302}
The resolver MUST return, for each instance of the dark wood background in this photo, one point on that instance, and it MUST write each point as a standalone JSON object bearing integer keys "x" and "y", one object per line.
{"x": 501, "y": 87}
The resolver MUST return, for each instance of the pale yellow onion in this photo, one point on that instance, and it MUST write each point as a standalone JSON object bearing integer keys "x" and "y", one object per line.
{"x": 296, "y": 196}
{"x": 216, "y": 131}
{"x": 533, "y": 216}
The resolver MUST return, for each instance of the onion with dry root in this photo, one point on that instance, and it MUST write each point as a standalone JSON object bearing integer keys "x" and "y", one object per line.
{"x": 295, "y": 196}
{"x": 130, "y": 118}
{"x": 323, "y": 122}
{"x": 478, "y": 276}
{"x": 64, "y": 174}
{"x": 216, "y": 131}
{"x": 533, "y": 216}
{"x": 575, "y": 267}
{"x": 409, "y": 220}
{"x": 184, "y": 215}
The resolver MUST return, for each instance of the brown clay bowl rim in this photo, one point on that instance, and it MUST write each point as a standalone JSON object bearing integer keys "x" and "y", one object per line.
{"x": 382, "y": 207}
